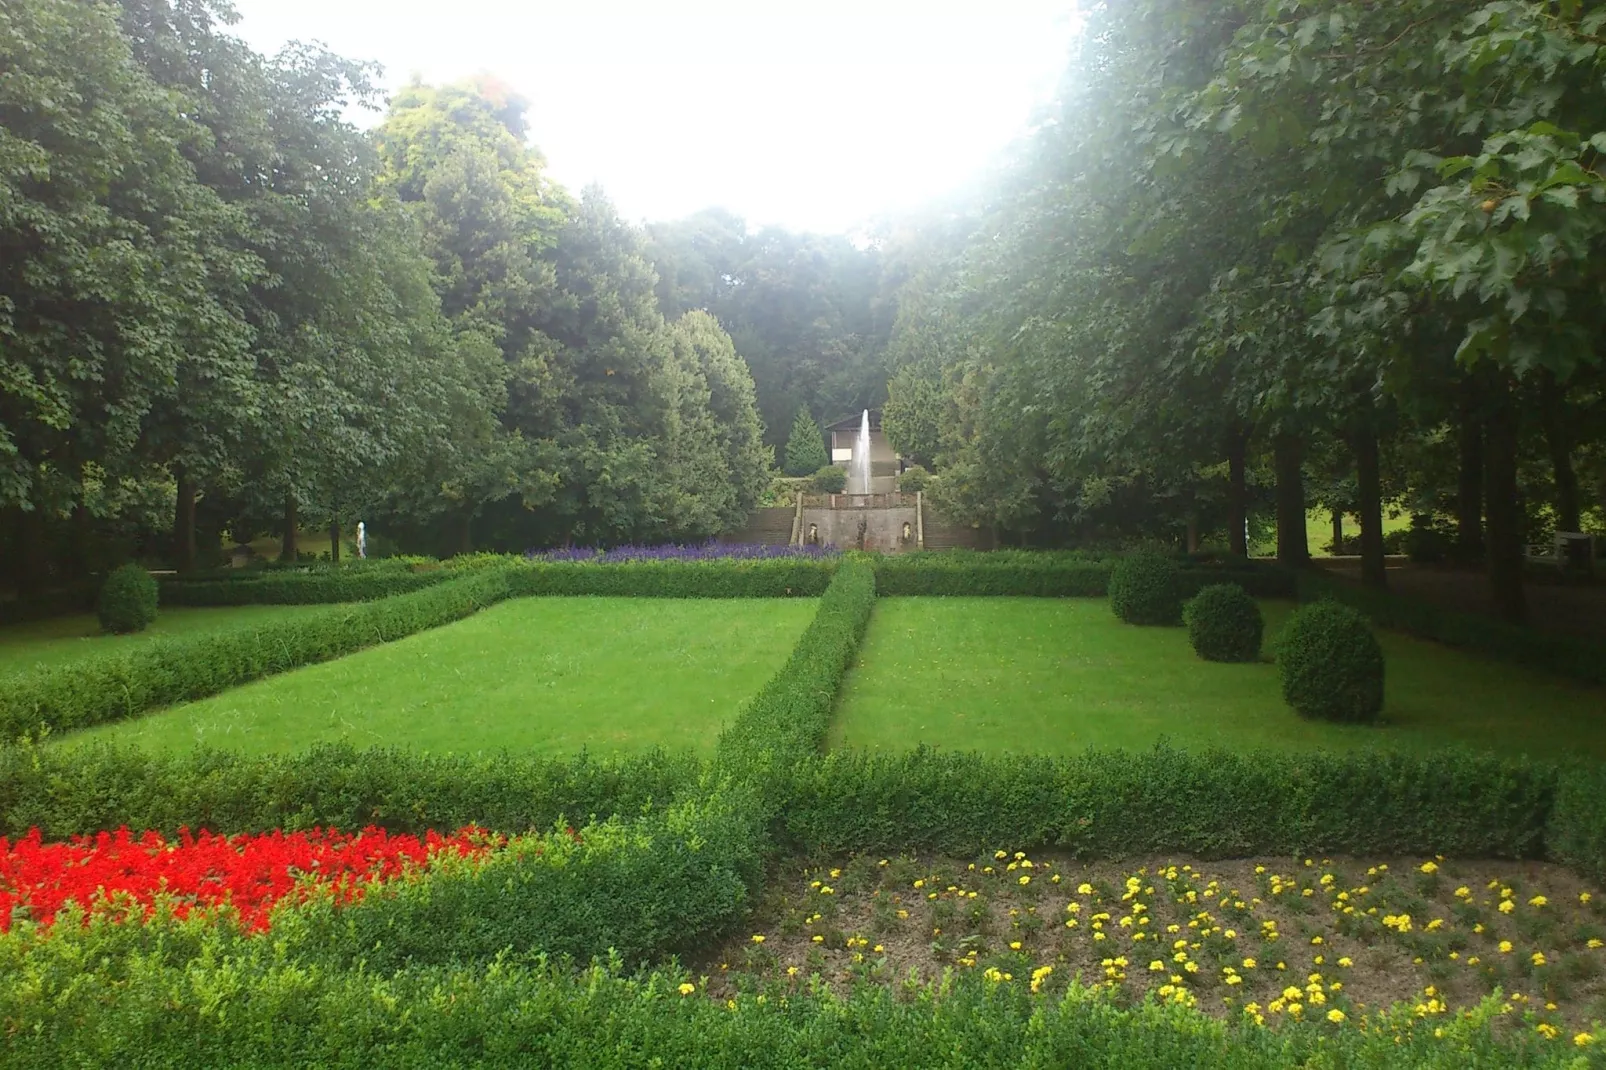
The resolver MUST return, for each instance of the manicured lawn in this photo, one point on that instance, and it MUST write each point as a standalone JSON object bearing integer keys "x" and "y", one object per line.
{"x": 1058, "y": 675}
{"x": 62, "y": 639}
{"x": 536, "y": 674}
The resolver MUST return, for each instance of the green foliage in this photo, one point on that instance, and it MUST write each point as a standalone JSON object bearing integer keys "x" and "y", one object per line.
{"x": 773, "y": 578}
{"x": 1218, "y": 804}
{"x": 80, "y": 790}
{"x": 1145, "y": 589}
{"x": 164, "y": 671}
{"x": 1575, "y": 835}
{"x": 1041, "y": 574}
{"x": 831, "y": 479}
{"x": 127, "y": 601}
{"x": 805, "y": 446}
{"x": 786, "y": 721}
{"x": 302, "y": 587}
{"x": 1331, "y": 664}
{"x": 1578, "y": 657}
{"x": 204, "y": 997}
{"x": 1224, "y": 623}
{"x": 914, "y": 479}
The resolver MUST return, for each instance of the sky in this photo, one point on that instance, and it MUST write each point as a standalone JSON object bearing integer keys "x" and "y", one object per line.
{"x": 814, "y": 116}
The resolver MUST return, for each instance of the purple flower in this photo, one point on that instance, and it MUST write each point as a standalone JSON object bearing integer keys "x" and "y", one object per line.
{"x": 708, "y": 551}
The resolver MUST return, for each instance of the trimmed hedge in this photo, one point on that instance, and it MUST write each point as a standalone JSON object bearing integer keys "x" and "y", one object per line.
{"x": 1224, "y": 623}
{"x": 301, "y": 587}
{"x": 204, "y": 998}
{"x": 164, "y": 671}
{"x": 1219, "y": 804}
{"x": 1575, "y": 835}
{"x": 772, "y": 578}
{"x": 1579, "y": 658}
{"x": 1145, "y": 589}
{"x": 787, "y": 721}
{"x": 1053, "y": 574}
{"x": 69, "y": 791}
{"x": 1331, "y": 664}
{"x": 76, "y": 597}
{"x": 127, "y": 601}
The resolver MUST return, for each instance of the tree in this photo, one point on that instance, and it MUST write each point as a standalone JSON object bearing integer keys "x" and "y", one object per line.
{"x": 805, "y": 446}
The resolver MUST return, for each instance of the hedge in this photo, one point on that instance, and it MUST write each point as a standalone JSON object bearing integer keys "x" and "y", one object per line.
{"x": 773, "y": 578}
{"x": 1215, "y": 804}
{"x": 300, "y": 587}
{"x": 1579, "y": 658}
{"x": 68, "y": 791}
{"x": 1575, "y": 835}
{"x": 164, "y": 671}
{"x": 787, "y": 720}
{"x": 232, "y": 1003}
{"x": 76, "y": 597}
{"x": 1051, "y": 575}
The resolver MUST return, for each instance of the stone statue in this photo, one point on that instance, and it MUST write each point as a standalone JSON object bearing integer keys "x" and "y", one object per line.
{"x": 362, "y": 539}
{"x": 814, "y": 535}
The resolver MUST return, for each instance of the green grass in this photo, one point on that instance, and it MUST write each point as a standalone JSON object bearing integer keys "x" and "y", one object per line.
{"x": 63, "y": 639}
{"x": 549, "y": 675}
{"x": 1054, "y": 676}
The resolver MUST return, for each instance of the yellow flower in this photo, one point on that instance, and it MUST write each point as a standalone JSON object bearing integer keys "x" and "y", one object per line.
{"x": 758, "y": 938}
{"x": 826, "y": 890}
{"x": 1507, "y": 906}
{"x": 1055, "y": 878}
{"x": 920, "y": 884}
{"x": 1014, "y": 945}
{"x": 1000, "y": 854}
{"x": 1584, "y": 897}
{"x": 1084, "y": 889}
{"x": 817, "y": 939}
{"x": 1583, "y": 1040}
{"x": 1594, "y": 942}
{"x": 1505, "y": 947}
{"x": 1025, "y": 879}
{"x": 687, "y": 988}
{"x": 791, "y": 971}
{"x": 1249, "y": 964}
{"x": 878, "y": 949}
{"x": 1538, "y": 958}
{"x": 1538, "y": 901}
{"x": 1157, "y": 966}
{"x": 1335, "y": 1016}
{"x": 1315, "y": 940}
{"x": 1463, "y": 892}
{"x": 1430, "y": 867}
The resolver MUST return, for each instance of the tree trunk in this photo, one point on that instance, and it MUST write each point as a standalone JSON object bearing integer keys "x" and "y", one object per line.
{"x": 1368, "y": 474}
{"x": 1553, "y": 414}
{"x": 1293, "y": 549}
{"x": 79, "y": 543}
{"x": 292, "y": 522}
{"x": 184, "y": 525}
{"x": 1504, "y": 509}
{"x": 1469, "y": 489}
{"x": 334, "y": 540}
{"x": 1338, "y": 532}
{"x": 1237, "y": 496}
{"x": 1193, "y": 533}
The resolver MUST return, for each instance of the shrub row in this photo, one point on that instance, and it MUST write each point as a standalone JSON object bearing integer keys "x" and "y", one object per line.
{"x": 300, "y": 587}
{"x": 68, "y": 791}
{"x": 227, "y": 1003}
{"x": 773, "y": 578}
{"x": 952, "y": 572}
{"x": 787, "y": 720}
{"x": 1579, "y": 658}
{"x": 1110, "y": 804}
{"x": 174, "y": 669}
{"x": 76, "y": 597}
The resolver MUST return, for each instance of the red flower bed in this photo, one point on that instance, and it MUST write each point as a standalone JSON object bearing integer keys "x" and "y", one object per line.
{"x": 250, "y": 872}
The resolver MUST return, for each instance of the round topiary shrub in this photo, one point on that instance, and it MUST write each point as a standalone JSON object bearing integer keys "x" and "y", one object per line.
{"x": 830, "y": 479}
{"x": 127, "y": 601}
{"x": 1224, "y": 623}
{"x": 1144, "y": 589}
{"x": 1332, "y": 665}
{"x": 914, "y": 479}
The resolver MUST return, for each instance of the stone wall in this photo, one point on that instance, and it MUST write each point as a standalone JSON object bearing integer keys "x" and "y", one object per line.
{"x": 766, "y": 527}
{"x": 883, "y": 528}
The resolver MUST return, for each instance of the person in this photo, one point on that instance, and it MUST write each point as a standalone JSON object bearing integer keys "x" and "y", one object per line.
{"x": 362, "y": 539}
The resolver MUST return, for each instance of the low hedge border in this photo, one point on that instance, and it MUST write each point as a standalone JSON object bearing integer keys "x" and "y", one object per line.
{"x": 1052, "y": 576}
{"x": 165, "y": 671}
{"x": 1576, "y": 658}
{"x": 72, "y": 791}
{"x": 239, "y": 1003}
{"x": 309, "y": 587}
{"x": 774, "y": 578}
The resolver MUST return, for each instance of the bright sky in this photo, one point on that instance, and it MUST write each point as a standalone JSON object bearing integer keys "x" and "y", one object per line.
{"x": 814, "y": 116}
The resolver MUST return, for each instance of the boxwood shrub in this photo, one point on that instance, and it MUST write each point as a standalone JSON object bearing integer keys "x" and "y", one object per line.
{"x": 759, "y": 578}
{"x": 301, "y": 586}
{"x": 1224, "y": 623}
{"x": 127, "y": 601}
{"x": 1145, "y": 589}
{"x": 1331, "y": 664}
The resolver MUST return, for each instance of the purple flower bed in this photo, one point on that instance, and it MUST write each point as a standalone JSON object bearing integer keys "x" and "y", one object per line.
{"x": 708, "y": 551}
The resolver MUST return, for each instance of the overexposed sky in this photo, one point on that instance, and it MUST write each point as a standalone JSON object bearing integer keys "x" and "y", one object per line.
{"x": 813, "y": 116}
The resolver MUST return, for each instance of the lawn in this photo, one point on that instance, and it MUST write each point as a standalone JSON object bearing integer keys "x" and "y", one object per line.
{"x": 62, "y": 639}
{"x": 1054, "y": 676}
{"x": 550, "y": 675}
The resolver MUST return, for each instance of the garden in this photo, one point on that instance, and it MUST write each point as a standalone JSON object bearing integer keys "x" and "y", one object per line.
{"x": 764, "y": 807}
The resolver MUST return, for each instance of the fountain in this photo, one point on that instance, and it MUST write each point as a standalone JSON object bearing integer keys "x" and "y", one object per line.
{"x": 861, "y": 456}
